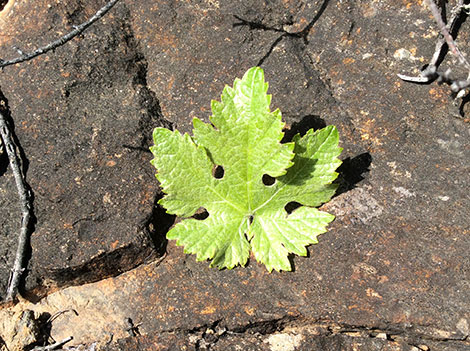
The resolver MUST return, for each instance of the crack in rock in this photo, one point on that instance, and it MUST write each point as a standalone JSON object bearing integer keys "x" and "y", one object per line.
{"x": 290, "y": 332}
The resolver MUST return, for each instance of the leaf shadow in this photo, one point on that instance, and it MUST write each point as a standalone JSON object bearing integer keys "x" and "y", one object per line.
{"x": 303, "y": 126}
{"x": 352, "y": 171}
{"x": 158, "y": 224}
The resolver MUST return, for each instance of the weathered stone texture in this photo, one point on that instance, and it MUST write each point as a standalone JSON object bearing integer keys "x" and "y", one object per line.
{"x": 395, "y": 261}
{"x": 84, "y": 117}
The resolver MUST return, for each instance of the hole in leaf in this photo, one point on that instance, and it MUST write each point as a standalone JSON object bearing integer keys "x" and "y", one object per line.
{"x": 201, "y": 214}
{"x": 251, "y": 219}
{"x": 291, "y": 206}
{"x": 3, "y": 3}
{"x": 268, "y": 180}
{"x": 218, "y": 172}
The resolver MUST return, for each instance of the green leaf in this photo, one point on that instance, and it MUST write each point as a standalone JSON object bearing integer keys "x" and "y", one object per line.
{"x": 244, "y": 139}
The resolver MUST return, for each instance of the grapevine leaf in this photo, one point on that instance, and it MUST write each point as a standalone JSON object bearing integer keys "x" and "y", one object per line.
{"x": 243, "y": 212}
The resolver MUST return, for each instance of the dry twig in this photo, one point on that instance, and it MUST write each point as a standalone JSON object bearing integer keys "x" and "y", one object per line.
{"x": 62, "y": 40}
{"x": 430, "y": 74}
{"x": 54, "y": 346}
{"x": 445, "y": 31}
{"x": 58, "y": 313}
{"x": 25, "y": 204}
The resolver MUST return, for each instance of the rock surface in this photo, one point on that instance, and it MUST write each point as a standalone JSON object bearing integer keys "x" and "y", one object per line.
{"x": 20, "y": 330}
{"x": 88, "y": 116}
{"x": 393, "y": 271}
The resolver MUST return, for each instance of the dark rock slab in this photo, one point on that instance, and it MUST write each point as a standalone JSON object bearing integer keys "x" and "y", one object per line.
{"x": 299, "y": 340}
{"x": 396, "y": 258}
{"x": 84, "y": 117}
{"x": 178, "y": 301}
{"x": 396, "y": 254}
{"x": 398, "y": 247}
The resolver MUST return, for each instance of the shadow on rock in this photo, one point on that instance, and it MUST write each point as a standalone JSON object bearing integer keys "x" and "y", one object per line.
{"x": 3, "y": 160}
{"x": 303, "y": 126}
{"x": 158, "y": 224}
{"x": 352, "y": 172}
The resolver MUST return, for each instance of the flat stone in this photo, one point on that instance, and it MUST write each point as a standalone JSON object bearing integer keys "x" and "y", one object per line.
{"x": 20, "y": 330}
{"x": 176, "y": 303}
{"x": 392, "y": 272}
{"x": 84, "y": 117}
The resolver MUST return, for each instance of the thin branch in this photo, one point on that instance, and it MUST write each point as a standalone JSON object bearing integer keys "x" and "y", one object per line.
{"x": 23, "y": 193}
{"x": 430, "y": 74}
{"x": 62, "y": 40}
{"x": 445, "y": 31}
{"x": 58, "y": 313}
{"x": 454, "y": 19}
{"x": 421, "y": 79}
{"x": 54, "y": 346}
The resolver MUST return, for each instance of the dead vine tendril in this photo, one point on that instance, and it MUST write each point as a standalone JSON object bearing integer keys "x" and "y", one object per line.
{"x": 445, "y": 42}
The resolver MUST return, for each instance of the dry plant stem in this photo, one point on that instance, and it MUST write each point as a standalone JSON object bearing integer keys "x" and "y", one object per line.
{"x": 58, "y": 313}
{"x": 18, "y": 268}
{"x": 445, "y": 32}
{"x": 54, "y": 346}
{"x": 62, "y": 40}
{"x": 430, "y": 74}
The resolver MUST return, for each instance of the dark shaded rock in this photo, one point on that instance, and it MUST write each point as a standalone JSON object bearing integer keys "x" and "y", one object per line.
{"x": 395, "y": 261}
{"x": 84, "y": 117}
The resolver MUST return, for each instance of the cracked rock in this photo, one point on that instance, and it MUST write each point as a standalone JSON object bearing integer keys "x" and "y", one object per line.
{"x": 393, "y": 264}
